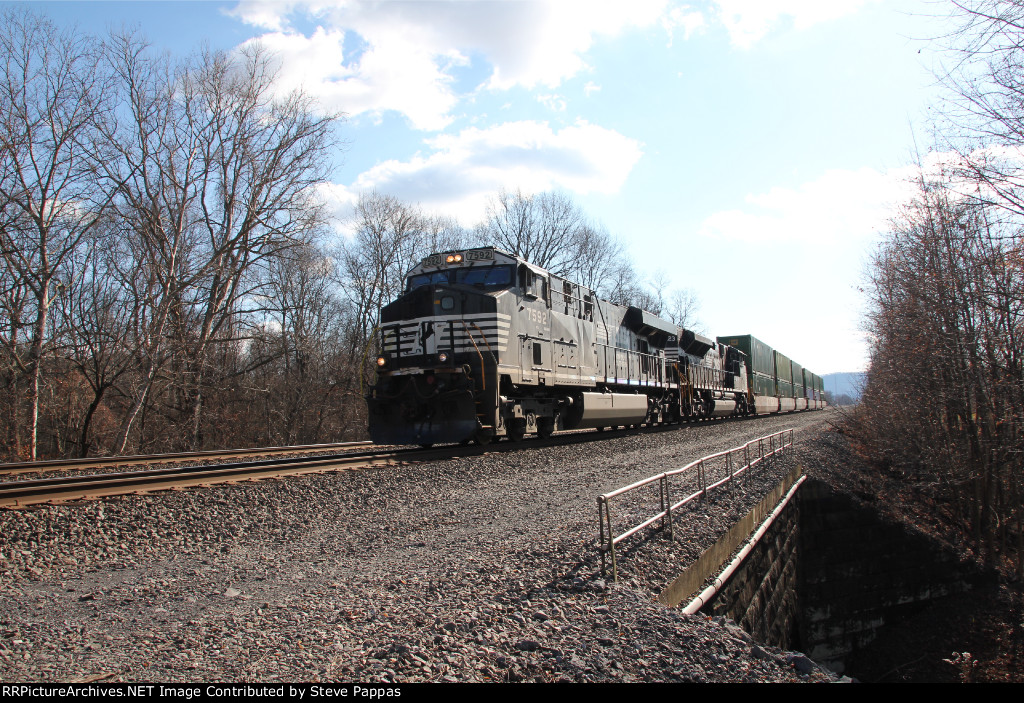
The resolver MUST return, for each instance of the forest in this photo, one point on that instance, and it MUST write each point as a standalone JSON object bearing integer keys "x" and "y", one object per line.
{"x": 943, "y": 403}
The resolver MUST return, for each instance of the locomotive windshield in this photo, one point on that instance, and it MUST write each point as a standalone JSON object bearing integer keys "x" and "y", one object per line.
{"x": 485, "y": 277}
{"x": 426, "y": 279}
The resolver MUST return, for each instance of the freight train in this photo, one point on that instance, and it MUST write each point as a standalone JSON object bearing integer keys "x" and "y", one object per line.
{"x": 484, "y": 344}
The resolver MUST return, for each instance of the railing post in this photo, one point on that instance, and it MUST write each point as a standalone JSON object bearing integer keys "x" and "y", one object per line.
{"x": 668, "y": 509}
{"x": 746, "y": 463}
{"x": 666, "y": 505}
{"x": 661, "y": 492}
{"x": 702, "y": 479}
{"x": 600, "y": 524}
{"x": 611, "y": 541}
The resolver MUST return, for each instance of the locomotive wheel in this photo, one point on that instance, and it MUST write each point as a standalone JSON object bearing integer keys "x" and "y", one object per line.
{"x": 482, "y": 438}
{"x": 516, "y": 431}
{"x": 599, "y": 429}
{"x": 545, "y": 427}
{"x": 427, "y": 445}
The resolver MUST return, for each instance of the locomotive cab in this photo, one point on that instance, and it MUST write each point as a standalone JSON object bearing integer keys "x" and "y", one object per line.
{"x": 440, "y": 344}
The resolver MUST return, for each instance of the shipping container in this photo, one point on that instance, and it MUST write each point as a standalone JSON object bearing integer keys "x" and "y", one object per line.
{"x": 783, "y": 368}
{"x": 763, "y": 384}
{"x": 759, "y": 354}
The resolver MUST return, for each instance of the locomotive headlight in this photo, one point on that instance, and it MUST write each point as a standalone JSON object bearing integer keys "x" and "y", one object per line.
{"x": 458, "y": 258}
{"x": 442, "y": 357}
{"x": 381, "y": 361}
{"x": 453, "y": 258}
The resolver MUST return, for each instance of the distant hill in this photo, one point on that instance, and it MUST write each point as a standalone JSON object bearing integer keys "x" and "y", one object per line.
{"x": 849, "y": 384}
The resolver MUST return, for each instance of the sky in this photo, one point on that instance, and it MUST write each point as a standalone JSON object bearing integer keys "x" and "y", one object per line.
{"x": 753, "y": 151}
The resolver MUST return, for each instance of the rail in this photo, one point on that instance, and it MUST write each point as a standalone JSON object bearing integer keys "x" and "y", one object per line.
{"x": 129, "y": 459}
{"x": 766, "y": 447}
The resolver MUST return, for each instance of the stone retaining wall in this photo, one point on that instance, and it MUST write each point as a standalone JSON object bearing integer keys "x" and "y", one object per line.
{"x": 828, "y": 573}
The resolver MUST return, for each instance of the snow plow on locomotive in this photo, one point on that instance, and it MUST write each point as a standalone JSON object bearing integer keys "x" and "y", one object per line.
{"x": 484, "y": 344}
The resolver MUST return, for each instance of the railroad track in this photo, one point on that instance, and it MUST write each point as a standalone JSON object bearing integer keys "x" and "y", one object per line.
{"x": 22, "y": 493}
{"x": 150, "y": 459}
{"x": 16, "y": 494}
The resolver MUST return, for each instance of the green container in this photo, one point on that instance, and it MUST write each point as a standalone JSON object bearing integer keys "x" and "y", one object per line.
{"x": 783, "y": 368}
{"x": 798, "y": 380}
{"x": 763, "y": 385}
{"x": 759, "y": 354}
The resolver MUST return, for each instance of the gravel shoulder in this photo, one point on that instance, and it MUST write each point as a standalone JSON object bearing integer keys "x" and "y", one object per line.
{"x": 474, "y": 569}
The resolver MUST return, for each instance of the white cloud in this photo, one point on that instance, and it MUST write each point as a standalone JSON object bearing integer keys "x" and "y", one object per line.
{"x": 464, "y": 170}
{"x": 553, "y": 102}
{"x": 748, "y": 21}
{"x": 398, "y": 77}
{"x": 264, "y": 14}
{"x": 840, "y": 205}
{"x": 546, "y": 44}
{"x": 408, "y": 49}
{"x": 405, "y": 56}
{"x": 688, "y": 19}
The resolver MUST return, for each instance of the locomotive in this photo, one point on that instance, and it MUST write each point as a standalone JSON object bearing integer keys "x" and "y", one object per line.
{"x": 484, "y": 344}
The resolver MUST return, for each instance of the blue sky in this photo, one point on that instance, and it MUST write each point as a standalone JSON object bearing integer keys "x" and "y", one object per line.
{"x": 752, "y": 150}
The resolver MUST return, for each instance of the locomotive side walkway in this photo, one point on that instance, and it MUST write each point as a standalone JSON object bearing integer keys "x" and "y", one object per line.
{"x": 473, "y": 569}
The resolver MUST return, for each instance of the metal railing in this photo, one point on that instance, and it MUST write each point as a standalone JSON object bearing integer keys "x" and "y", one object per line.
{"x": 629, "y": 366}
{"x": 706, "y": 469}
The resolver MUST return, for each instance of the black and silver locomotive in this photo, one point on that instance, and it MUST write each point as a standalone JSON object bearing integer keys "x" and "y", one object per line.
{"x": 484, "y": 344}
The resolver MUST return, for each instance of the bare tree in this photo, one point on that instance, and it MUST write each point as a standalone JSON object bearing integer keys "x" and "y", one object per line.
{"x": 299, "y": 342}
{"x": 262, "y": 162}
{"x": 682, "y": 307}
{"x": 985, "y": 82}
{"x": 50, "y": 94}
{"x": 15, "y": 322}
{"x": 945, "y": 389}
{"x": 216, "y": 177}
{"x": 442, "y": 233}
{"x": 151, "y": 157}
{"x": 600, "y": 259}
{"x": 389, "y": 238}
{"x": 96, "y": 329}
{"x": 546, "y": 229}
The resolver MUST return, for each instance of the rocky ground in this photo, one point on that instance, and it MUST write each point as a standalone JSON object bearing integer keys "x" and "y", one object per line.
{"x": 474, "y": 569}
